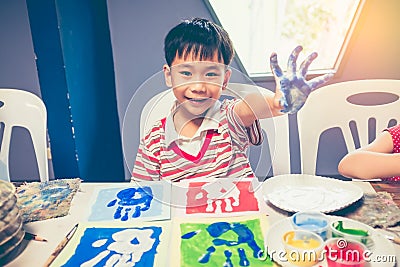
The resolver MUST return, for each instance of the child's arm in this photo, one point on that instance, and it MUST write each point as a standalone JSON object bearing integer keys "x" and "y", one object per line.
{"x": 291, "y": 91}
{"x": 147, "y": 165}
{"x": 375, "y": 160}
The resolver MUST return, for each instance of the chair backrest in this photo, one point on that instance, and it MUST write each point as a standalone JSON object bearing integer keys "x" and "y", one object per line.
{"x": 276, "y": 129}
{"x": 344, "y": 104}
{"x": 20, "y": 108}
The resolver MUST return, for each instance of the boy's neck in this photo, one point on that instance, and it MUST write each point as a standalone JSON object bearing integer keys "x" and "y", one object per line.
{"x": 185, "y": 125}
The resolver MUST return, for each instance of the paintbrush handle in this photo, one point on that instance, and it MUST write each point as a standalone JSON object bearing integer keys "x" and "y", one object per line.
{"x": 396, "y": 240}
{"x": 60, "y": 246}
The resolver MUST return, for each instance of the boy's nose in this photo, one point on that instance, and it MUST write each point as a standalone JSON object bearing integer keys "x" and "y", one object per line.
{"x": 198, "y": 87}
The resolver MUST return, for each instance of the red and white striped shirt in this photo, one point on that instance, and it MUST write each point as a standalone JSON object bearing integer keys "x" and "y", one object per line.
{"x": 222, "y": 153}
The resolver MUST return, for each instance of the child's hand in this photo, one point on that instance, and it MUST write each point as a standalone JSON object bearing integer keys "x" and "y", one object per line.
{"x": 294, "y": 89}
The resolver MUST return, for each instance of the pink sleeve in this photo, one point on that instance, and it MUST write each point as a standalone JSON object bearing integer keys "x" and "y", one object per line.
{"x": 395, "y": 133}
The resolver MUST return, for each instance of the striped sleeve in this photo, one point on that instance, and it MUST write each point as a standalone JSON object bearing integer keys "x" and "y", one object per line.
{"x": 245, "y": 135}
{"x": 147, "y": 163}
{"x": 255, "y": 133}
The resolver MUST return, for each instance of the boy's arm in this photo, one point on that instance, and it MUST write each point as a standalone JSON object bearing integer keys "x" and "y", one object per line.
{"x": 146, "y": 164}
{"x": 375, "y": 160}
{"x": 291, "y": 91}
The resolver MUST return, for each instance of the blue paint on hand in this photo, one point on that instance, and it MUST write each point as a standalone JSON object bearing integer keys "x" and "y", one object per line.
{"x": 293, "y": 85}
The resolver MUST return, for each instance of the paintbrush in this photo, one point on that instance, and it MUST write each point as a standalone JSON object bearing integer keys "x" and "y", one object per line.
{"x": 395, "y": 240}
{"x": 379, "y": 180}
{"x": 29, "y": 236}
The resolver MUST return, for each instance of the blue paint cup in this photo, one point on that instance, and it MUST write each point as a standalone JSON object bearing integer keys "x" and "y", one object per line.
{"x": 315, "y": 222}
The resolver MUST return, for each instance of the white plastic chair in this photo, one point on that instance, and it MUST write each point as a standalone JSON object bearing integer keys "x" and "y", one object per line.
{"x": 24, "y": 109}
{"x": 329, "y": 107}
{"x": 276, "y": 129}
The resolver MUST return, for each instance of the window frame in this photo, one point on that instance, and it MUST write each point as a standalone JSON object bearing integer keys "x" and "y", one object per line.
{"x": 268, "y": 76}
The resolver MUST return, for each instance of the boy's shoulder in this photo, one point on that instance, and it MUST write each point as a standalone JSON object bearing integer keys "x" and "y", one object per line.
{"x": 155, "y": 129}
{"x": 228, "y": 102}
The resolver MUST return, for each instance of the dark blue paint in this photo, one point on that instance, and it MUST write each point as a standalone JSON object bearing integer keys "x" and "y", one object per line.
{"x": 245, "y": 235}
{"x": 217, "y": 229}
{"x": 136, "y": 214}
{"x": 206, "y": 257}
{"x": 112, "y": 203}
{"x": 117, "y": 213}
{"x": 221, "y": 242}
{"x": 138, "y": 199}
{"x": 243, "y": 261}
{"x": 189, "y": 235}
{"x": 228, "y": 255}
{"x": 126, "y": 214}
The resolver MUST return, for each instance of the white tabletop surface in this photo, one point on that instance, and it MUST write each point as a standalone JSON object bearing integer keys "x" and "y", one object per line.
{"x": 36, "y": 253}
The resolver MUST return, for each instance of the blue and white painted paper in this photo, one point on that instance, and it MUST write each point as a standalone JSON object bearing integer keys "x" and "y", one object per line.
{"x": 132, "y": 202}
{"x": 113, "y": 244}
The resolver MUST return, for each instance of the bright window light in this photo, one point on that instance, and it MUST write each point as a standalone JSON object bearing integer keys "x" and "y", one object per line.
{"x": 260, "y": 27}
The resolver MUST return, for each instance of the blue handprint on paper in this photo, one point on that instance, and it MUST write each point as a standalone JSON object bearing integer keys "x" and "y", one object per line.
{"x": 131, "y": 200}
{"x": 117, "y": 247}
{"x": 244, "y": 236}
{"x": 293, "y": 85}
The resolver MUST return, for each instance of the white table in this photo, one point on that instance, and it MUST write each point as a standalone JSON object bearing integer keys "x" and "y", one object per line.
{"x": 36, "y": 253}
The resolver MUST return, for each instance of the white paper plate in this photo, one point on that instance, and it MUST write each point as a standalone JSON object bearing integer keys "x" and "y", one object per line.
{"x": 303, "y": 192}
{"x": 383, "y": 248}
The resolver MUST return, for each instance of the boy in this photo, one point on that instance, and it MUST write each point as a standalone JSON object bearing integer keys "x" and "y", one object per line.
{"x": 204, "y": 137}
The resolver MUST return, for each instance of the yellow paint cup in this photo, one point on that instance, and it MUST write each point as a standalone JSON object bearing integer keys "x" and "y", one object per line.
{"x": 302, "y": 247}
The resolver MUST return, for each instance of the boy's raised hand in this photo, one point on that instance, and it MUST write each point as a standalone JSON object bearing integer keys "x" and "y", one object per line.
{"x": 294, "y": 89}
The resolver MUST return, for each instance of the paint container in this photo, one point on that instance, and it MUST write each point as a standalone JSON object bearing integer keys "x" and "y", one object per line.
{"x": 303, "y": 248}
{"x": 11, "y": 230}
{"x": 340, "y": 252}
{"x": 352, "y": 230}
{"x": 315, "y": 222}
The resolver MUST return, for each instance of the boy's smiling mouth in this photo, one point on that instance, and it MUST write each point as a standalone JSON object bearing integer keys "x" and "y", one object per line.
{"x": 199, "y": 100}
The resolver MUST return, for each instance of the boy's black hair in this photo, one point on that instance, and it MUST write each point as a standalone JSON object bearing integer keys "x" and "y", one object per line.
{"x": 200, "y": 36}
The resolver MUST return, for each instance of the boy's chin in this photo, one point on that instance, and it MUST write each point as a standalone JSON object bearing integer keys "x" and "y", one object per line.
{"x": 196, "y": 111}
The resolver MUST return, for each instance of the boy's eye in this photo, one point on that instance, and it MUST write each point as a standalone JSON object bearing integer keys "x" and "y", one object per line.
{"x": 186, "y": 73}
{"x": 212, "y": 74}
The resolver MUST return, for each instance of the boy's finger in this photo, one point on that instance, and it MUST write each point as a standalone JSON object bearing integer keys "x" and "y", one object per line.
{"x": 276, "y": 70}
{"x": 318, "y": 81}
{"x": 291, "y": 65}
{"x": 306, "y": 63}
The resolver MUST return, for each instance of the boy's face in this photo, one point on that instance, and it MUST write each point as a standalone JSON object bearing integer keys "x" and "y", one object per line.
{"x": 196, "y": 84}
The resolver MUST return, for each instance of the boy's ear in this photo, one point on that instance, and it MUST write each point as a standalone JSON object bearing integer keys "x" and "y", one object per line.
{"x": 227, "y": 76}
{"x": 167, "y": 75}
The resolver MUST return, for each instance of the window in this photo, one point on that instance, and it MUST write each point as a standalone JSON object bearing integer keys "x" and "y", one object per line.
{"x": 260, "y": 27}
